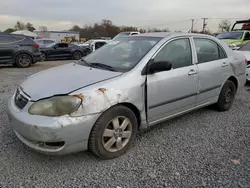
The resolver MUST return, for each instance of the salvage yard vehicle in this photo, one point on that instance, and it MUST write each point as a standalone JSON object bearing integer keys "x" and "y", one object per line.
{"x": 100, "y": 102}
{"x": 18, "y": 50}
{"x": 62, "y": 50}
{"x": 126, "y": 34}
{"x": 239, "y": 34}
{"x": 245, "y": 50}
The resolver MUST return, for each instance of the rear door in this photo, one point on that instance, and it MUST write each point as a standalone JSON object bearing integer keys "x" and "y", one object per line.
{"x": 213, "y": 66}
{"x": 8, "y": 47}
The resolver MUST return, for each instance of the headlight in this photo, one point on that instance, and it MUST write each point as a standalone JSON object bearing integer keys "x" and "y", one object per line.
{"x": 55, "y": 106}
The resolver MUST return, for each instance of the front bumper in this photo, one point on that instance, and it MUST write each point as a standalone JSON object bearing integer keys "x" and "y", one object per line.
{"x": 248, "y": 73}
{"x": 51, "y": 135}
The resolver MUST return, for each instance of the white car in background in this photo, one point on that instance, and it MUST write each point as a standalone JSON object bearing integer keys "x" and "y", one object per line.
{"x": 126, "y": 34}
{"x": 245, "y": 50}
{"x": 94, "y": 44}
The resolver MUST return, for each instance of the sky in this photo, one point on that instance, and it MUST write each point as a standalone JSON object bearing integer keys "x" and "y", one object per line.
{"x": 172, "y": 14}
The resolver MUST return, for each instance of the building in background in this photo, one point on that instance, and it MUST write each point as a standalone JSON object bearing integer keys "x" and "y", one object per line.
{"x": 59, "y": 35}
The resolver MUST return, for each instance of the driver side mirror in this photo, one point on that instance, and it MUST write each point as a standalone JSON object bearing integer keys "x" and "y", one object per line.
{"x": 158, "y": 66}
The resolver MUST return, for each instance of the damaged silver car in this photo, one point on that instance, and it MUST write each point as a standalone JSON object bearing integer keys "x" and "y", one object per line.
{"x": 100, "y": 102}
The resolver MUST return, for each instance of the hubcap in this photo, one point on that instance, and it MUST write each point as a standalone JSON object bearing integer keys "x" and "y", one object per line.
{"x": 228, "y": 96}
{"x": 77, "y": 55}
{"x": 24, "y": 60}
{"x": 117, "y": 134}
{"x": 43, "y": 56}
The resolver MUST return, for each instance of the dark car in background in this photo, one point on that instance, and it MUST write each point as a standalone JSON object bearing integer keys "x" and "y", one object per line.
{"x": 18, "y": 50}
{"x": 62, "y": 50}
{"x": 44, "y": 42}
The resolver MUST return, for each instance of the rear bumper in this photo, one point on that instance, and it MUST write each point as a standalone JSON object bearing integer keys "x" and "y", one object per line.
{"x": 37, "y": 57}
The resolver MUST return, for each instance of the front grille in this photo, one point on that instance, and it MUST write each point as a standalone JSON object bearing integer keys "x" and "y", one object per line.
{"x": 20, "y": 99}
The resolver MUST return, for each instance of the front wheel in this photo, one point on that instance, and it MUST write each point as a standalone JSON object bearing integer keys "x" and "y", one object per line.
{"x": 113, "y": 133}
{"x": 77, "y": 55}
{"x": 227, "y": 96}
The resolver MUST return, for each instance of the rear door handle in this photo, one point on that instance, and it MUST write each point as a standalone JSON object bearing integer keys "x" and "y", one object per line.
{"x": 192, "y": 72}
{"x": 224, "y": 64}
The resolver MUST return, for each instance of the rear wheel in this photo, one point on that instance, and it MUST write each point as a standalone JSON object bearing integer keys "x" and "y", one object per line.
{"x": 227, "y": 96}
{"x": 113, "y": 133}
{"x": 77, "y": 55}
{"x": 23, "y": 60}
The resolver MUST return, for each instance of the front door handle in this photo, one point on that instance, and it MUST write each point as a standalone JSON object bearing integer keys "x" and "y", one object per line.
{"x": 224, "y": 64}
{"x": 192, "y": 72}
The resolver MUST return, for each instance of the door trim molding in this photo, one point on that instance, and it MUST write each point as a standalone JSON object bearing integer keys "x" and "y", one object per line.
{"x": 184, "y": 97}
{"x": 172, "y": 100}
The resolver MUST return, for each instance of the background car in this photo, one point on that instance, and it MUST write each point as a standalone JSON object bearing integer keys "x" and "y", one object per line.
{"x": 93, "y": 44}
{"x": 235, "y": 38}
{"x": 125, "y": 34}
{"x": 44, "y": 42}
{"x": 62, "y": 50}
{"x": 245, "y": 50}
{"x": 19, "y": 50}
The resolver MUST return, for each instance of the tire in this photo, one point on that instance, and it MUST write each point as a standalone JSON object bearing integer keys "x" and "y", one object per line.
{"x": 77, "y": 55}
{"x": 23, "y": 60}
{"x": 99, "y": 138}
{"x": 43, "y": 56}
{"x": 227, "y": 96}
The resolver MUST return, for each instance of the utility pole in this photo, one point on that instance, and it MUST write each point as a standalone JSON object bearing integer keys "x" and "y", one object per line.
{"x": 204, "y": 24}
{"x": 192, "y": 26}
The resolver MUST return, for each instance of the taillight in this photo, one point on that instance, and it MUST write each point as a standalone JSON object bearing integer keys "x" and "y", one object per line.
{"x": 246, "y": 61}
{"x": 36, "y": 45}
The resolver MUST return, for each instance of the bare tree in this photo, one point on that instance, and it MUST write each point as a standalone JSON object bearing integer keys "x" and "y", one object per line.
{"x": 30, "y": 27}
{"x": 43, "y": 28}
{"x": 19, "y": 26}
{"x": 225, "y": 25}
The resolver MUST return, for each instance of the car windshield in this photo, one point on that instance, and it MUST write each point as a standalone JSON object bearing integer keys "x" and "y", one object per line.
{"x": 122, "y": 54}
{"x": 39, "y": 41}
{"x": 231, "y": 35}
{"x": 122, "y": 35}
{"x": 51, "y": 45}
{"x": 245, "y": 47}
{"x": 89, "y": 42}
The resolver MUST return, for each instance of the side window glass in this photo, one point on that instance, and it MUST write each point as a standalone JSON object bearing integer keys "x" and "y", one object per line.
{"x": 247, "y": 36}
{"x": 222, "y": 53}
{"x": 7, "y": 39}
{"x": 178, "y": 52}
{"x": 207, "y": 50}
{"x": 48, "y": 41}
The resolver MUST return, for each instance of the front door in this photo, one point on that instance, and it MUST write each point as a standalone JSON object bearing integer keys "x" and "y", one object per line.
{"x": 213, "y": 67}
{"x": 173, "y": 91}
{"x": 61, "y": 50}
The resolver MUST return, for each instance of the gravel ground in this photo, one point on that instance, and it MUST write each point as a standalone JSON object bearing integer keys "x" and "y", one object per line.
{"x": 201, "y": 149}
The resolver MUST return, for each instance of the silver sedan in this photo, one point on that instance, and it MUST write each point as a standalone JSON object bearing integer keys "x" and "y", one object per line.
{"x": 101, "y": 101}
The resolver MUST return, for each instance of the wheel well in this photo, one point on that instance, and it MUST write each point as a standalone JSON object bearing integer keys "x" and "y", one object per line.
{"x": 77, "y": 51}
{"x": 234, "y": 80}
{"x": 135, "y": 110}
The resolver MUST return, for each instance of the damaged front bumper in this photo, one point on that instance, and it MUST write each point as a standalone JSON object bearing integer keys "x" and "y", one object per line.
{"x": 51, "y": 135}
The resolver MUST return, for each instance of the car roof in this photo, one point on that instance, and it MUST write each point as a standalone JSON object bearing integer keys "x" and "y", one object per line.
{"x": 168, "y": 34}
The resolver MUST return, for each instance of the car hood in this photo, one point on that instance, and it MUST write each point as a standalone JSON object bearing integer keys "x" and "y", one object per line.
{"x": 63, "y": 80}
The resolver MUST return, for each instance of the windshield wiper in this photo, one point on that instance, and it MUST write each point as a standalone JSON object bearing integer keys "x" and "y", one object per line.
{"x": 101, "y": 65}
{"x": 84, "y": 61}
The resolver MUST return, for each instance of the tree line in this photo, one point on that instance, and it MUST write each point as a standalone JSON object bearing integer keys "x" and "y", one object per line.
{"x": 107, "y": 29}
